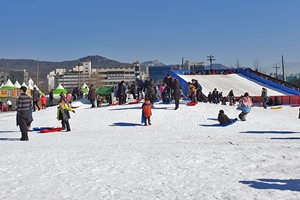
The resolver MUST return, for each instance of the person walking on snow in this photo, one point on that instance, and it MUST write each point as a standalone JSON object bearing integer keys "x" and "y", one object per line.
{"x": 264, "y": 98}
{"x": 92, "y": 95}
{"x": 9, "y": 105}
{"x": 36, "y": 97}
{"x": 245, "y": 104}
{"x": 146, "y": 107}
{"x": 176, "y": 87}
{"x": 23, "y": 113}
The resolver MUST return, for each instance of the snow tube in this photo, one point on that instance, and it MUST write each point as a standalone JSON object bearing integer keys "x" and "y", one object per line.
{"x": 75, "y": 104}
{"x": 295, "y": 105}
{"x": 191, "y": 104}
{"x": 40, "y": 128}
{"x": 133, "y": 102}
{"x": 276, "y": 107}
{"x": 57, "y": 129}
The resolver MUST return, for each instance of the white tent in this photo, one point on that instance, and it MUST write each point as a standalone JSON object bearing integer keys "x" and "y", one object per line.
{"x": 17, "y": 84}
{"x": 24, "y": 84}
{"x": 1, "y": 85}
{"x": 9, "y": 83}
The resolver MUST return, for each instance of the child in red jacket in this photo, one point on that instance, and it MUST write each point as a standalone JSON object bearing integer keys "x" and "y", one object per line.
{"x": 147, "y": 111}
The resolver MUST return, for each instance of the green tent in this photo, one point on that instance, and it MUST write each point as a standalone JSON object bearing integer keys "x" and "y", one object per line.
{"x": 59, "y": 89}
{"x": 104, "y": 90}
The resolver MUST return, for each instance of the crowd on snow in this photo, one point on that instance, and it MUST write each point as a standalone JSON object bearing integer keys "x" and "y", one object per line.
{"x": 147, "y": 90}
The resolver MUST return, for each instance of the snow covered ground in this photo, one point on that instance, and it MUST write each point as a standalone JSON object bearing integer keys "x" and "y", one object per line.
{"x": 236, "y": 82}
{"x": 109, "y": 155}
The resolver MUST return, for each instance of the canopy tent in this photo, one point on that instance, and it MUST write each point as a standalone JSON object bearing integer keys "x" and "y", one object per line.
{"x": 8, "y": 85}
{"x": 104, "y": 90}
{"x": 107, "y": 91}
{"x": 24, "y": 84}
{"x": 1, "y": 86}
{"x": 58, "y": 90}
{"x": 17, "y": 84}
{"x": 84, "y": 88}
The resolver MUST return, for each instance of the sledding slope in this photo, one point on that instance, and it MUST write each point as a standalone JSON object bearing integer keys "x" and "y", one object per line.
{"x": 238, "y": 83}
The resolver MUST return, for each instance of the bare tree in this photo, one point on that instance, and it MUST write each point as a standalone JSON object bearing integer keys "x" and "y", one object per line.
{"x": 238, "y": 63}
{"x": 257, "y": 65}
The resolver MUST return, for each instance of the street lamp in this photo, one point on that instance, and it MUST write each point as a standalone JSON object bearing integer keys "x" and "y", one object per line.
{"x": 78, "y": 64}
{"x": 210, "y": 58}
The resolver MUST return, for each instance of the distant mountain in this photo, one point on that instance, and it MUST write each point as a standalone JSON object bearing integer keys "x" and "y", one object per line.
{"x": 46, "y": 66}
{"x": 152, "y": 63}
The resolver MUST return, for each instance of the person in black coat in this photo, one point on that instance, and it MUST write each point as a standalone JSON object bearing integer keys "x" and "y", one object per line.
{"x": 224, "y": 119}
{"x": 168, "y": 81}
{"x": 176, "y": 87}
{"x": 121, "y": 93}
{"x": 198, "y": 88}
{"x": 215, "y": 96}
{"x": 23, "y": 113}
{"x": 150, "y": 90}
{"x": 51, "y": 98}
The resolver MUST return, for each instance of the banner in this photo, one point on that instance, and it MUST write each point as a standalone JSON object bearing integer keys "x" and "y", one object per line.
{"x": 3, "y": 93}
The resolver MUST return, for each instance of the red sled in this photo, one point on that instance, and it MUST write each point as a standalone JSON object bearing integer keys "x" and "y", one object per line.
{"x": 49, "y": 130}
{"x": 133, "y": 102}
{"x": 191, "y": 104}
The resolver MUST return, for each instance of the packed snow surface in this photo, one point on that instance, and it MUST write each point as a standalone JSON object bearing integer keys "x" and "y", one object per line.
{"x": 109, "y": 155}
{"x": 236, "y": 82}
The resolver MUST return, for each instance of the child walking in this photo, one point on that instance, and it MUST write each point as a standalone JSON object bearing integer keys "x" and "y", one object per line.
{"x": 64, "y": 115}
{"x": 147, "y": 111}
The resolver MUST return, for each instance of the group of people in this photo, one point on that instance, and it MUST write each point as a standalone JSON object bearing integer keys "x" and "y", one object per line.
{"x": 25, "y": 105}
{"x": 8, "y": 107}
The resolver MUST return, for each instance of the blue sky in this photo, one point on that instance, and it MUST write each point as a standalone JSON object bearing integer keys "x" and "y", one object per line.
{"x": 166, "y": 30}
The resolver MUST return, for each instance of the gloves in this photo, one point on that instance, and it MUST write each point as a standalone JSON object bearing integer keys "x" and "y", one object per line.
{"x": 73, "y": 111}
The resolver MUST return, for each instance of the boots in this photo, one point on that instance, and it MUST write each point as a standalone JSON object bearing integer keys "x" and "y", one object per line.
{"x": 149, "y": 122}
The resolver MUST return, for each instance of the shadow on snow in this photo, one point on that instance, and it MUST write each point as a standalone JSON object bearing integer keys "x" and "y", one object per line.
{"x": 9, "y": 139}
{"x": 275, "y": 184}
{"x": 270, "y": 132}
{"x": 287, "y": 138}
{"x": 125, "y": 124}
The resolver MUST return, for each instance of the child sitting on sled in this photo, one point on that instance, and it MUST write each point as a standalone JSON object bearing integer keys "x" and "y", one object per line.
{"x": 146, "y": 113}
{"x": 64, "y": 115}
{"x": 224, "y": 119}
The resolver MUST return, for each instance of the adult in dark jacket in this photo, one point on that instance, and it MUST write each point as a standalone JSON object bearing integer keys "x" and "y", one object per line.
{"x": 168, "y": 81}
{"x": 198, "y": 88}
{"x": 176, "y": 87}
{"x": 51, "y": 98}
{"x": 140, "y": 87}
{"x": 23, "y": 113}
{"x": 92, "y": 95}
{"x": 215, "y": 96}
{"x": 36, "y": 97}
{"x": 121, "y": 93}
{"x": 150, "y": 90}
{"x": 133, "y": 89}
{"x": 224, "y": 119}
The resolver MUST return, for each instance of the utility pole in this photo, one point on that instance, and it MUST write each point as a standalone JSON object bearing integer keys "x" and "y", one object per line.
{"x": 276, "y": 70}
{"x": 37, "y": 72}
{"x": 282, "y": 68}
{"x": 210, "y": 58}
